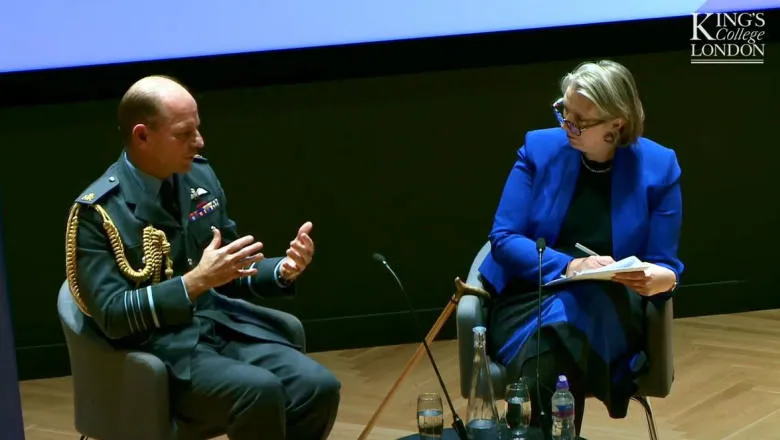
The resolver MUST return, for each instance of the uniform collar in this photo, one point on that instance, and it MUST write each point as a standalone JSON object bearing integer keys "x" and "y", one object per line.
{"x": 143, "y": 191}
{"x": 149, "y": 184}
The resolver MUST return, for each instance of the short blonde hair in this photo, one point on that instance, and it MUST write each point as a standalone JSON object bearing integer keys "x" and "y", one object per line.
{"x": 611, "y": 87}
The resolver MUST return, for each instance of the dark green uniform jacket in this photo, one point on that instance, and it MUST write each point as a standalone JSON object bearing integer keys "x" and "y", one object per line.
{"x": 109, "y": 244}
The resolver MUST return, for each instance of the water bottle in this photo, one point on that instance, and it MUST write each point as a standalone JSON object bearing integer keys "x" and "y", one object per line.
{"x": 482, "y": 420}
{"x": 563, "y": 411}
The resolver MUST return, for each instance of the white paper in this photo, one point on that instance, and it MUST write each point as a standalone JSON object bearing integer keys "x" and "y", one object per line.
{"x": 628, "y": 264}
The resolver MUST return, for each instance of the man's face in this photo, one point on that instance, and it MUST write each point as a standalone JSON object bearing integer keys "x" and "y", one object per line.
{"x": 173, "y": 140}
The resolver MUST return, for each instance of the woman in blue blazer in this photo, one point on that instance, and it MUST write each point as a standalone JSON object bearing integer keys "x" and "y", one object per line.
{"x": 595, "y": 181}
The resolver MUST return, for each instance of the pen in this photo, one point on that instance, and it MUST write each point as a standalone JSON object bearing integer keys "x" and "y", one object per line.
{"x": 586, "y": 250}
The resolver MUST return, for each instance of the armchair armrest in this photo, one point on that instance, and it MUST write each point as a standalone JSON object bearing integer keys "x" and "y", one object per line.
{"x": 293, "y": 324}
{"x": 660, "y": 356}
{"x": 289, "y": 323}
{"x": 145, "y": 397}
{"x": 113, "y": 389}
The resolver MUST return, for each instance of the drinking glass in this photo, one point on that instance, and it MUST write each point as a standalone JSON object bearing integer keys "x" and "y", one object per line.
{"x": 430, "y": 416}
{"x": 518, "y": 408}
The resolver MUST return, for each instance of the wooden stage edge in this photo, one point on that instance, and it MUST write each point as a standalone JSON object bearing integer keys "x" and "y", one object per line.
{"x": 725, "y": 388}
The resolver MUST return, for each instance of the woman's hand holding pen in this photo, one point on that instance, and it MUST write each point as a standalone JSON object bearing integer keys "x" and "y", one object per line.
{"x": 592, "y": 262}
{"x": 651, "y": 281}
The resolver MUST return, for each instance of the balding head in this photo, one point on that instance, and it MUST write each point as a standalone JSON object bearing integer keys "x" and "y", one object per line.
{"x": 158, "y": 121}
{"x": 145, "y": 103}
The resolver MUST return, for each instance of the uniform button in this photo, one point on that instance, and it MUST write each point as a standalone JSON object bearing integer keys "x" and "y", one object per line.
{"x": 111, "y": 179}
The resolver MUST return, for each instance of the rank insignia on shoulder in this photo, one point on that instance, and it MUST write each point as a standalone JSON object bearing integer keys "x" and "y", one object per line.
{"x": 99, "y": 189}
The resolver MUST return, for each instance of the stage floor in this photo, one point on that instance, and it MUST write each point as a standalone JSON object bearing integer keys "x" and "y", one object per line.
{"x": 725, "y": 388}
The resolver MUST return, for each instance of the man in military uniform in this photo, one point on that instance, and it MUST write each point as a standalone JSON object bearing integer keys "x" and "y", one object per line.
{"x": 161, "y": 208}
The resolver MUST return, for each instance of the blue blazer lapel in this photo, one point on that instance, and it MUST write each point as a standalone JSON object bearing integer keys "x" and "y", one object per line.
{"x": 565, "y": 174}
{"x": 628, "y": 210}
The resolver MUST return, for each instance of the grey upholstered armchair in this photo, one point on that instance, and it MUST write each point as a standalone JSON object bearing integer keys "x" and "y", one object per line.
{"x": 657, "y": 383}
{"x": 122, "y": 395}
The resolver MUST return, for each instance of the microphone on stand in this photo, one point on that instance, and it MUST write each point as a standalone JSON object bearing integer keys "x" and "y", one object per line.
{"x": 541, "y": 245}
{"x": 457, "y": 423}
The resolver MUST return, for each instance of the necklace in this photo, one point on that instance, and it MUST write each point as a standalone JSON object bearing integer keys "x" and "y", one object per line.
{"x": 605, "y": 170}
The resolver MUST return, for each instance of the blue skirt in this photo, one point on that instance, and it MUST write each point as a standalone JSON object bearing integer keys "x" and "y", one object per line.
{"x": 599, "y": 323}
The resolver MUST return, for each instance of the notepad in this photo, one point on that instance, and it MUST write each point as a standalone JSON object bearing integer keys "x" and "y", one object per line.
{"x": 628, "y": 264}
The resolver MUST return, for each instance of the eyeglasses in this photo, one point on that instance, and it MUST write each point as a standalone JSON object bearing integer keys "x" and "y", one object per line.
{"x": 573, "y": 128}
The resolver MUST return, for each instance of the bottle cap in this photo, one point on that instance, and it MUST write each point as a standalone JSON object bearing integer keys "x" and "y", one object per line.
{"x": 479, "y": 330}
{"x": 563, "y": 383}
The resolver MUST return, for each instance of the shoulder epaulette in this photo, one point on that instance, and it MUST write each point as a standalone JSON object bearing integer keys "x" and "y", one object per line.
{"x": 201, "y": 159}
{"x": 98, "y": 189}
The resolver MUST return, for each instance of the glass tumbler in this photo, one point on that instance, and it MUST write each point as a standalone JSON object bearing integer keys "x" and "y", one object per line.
{"x": 430, "y": 416}
{"x": 518, "y": 408}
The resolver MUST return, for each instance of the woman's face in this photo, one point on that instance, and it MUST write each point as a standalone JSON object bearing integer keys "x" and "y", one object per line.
{"x": 585, "y": 129}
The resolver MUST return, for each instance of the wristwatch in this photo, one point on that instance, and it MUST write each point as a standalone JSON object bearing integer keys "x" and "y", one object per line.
{"x": 279, "y": 278}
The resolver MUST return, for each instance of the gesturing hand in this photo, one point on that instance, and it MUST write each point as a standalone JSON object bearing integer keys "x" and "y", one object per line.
{"x": 220, "y": 265}
{"x": 580, "y": 264}
{"x": 299, "y": 254}
{"x": 653, "y": 280}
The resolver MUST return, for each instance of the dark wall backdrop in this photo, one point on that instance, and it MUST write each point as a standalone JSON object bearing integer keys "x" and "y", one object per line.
{"x": 410, "y": 166}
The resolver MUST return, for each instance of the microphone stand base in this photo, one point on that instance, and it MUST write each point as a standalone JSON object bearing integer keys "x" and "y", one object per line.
{"x": 461, "y": 289}
{"x": 460, "y": 429}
